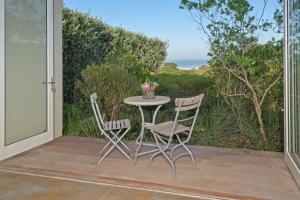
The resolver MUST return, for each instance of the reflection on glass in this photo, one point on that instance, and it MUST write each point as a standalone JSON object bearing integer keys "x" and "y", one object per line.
{"x": 294, "y": 64}
{"x": 25, "y": 69}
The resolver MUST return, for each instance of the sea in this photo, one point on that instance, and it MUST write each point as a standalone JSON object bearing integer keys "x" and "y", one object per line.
{"x": 187, "y": 64}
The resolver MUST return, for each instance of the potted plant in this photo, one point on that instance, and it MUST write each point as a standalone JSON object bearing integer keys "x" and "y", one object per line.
{"x": 149, "y": 88}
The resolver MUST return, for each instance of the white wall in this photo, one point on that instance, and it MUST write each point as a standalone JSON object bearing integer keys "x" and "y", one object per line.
{"x": 58, "y": 73}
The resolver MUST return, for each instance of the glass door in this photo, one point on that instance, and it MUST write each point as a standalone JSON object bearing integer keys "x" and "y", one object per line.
{"x": 293, "y": 58}
{"x": 25, "y": 69}
{"x": 28, "y": 72}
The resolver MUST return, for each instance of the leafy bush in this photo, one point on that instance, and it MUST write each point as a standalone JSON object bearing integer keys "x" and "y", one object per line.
{"x": 249, "y": 73}
{"x": 79, "y": 121}
{"x": 111, "y": 83}
{"x": 88, "y": 40}
{"x": 219, "y": 124}
{"x": 124, "y": 58}
{"x": 85, "y": 40}
{"x": 182, "y": 83}
{"x": 137, "y": 48}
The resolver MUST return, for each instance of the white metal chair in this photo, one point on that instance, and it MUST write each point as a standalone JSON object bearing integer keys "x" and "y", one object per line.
{"x": 114, "y": 131}
{"x": 165, "y": 132}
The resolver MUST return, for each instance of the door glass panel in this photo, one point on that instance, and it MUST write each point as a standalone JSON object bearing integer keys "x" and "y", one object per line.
{"x": 25, "y": 69}
{"x": 294, "y": 81}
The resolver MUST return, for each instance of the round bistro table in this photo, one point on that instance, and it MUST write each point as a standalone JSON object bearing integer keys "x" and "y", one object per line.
{"x": 140, "y": 102}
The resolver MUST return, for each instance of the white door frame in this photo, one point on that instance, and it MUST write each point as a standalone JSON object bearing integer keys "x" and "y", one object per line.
{"x": 26, "y": 144}
{"x": 294, "y": 168}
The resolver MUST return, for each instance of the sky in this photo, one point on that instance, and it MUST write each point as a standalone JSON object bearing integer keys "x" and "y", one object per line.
{"x": 159, "y": 18}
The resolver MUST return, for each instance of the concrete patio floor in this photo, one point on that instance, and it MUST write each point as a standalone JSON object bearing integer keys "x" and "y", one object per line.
{"x": 222, "y": 173}
{"x": 27, "y": 187}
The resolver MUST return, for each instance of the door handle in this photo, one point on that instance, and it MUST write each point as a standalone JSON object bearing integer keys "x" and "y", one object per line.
{"x": 52, "y": 83}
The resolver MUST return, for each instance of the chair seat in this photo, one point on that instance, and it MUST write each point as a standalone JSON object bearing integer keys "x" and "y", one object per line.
{"x": 165, "y": 128}
{"x": 117, "y": 125}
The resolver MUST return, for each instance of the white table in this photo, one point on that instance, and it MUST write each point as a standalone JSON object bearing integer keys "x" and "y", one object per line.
{"x": 140, "y": 102}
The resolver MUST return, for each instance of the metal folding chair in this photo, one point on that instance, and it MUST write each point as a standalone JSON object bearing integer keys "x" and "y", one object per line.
{"x": 164, "y": 133}
{"x": 114, "y": 131}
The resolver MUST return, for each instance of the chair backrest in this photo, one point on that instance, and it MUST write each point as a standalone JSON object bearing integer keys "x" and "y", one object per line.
{"x": 187, "y": 104}
{"x": 96, "y": 111}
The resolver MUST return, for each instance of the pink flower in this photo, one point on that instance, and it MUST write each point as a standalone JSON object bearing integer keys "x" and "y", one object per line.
{"x": 146, "y": 86}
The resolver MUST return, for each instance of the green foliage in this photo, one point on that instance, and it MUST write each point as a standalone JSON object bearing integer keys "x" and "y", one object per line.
{"x": 79, "y": 121}
{"x": 279, "y": 17}
{"x": 171, "y": 68}
{"x": 137, "y": 49}
{"x": 216, "y": 125}
{"x": 181, "y": 85}
{"x": 88, "y": 40}
{"x": 111, "y": 83}
{"x": 248, "y": 74}
{"x": 85, "y": 40}
{"x": 123, "y": 60}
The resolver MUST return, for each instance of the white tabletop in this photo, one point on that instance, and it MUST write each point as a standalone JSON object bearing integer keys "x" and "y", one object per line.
{"x": 140, "y": 101}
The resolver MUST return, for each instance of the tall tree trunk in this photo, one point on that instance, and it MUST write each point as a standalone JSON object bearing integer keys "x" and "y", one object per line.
{"x": 258, "y": 111}
{"x": 259, "y": 116}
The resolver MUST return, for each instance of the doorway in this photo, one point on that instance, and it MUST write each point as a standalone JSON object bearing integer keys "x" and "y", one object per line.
{"x": 27, "y": 83}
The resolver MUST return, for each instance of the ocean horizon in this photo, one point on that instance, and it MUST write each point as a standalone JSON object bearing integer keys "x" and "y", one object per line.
{"x": 187, "y": 64}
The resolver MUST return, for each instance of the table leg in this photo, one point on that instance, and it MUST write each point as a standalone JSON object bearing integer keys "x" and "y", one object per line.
{"x": 155, "y": 113}
{"x": 139, "y": 140}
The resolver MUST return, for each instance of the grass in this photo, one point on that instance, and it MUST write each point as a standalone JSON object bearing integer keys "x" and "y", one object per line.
{"x": 216, "y": 125}
{"x": 182, "y": 83}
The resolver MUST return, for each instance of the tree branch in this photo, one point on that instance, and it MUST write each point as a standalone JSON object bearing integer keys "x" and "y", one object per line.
{"x": 237, "y": 95}
{"x": 268, "y": 89}
{"x": 263, "y": 12}
{"x": 230, "y": 70}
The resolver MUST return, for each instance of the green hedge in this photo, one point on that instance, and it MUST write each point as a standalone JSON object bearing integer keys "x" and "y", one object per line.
{"x": 88, "y": 40}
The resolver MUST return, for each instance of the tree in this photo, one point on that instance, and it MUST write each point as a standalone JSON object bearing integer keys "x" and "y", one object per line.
{"x": 247, "y": 70}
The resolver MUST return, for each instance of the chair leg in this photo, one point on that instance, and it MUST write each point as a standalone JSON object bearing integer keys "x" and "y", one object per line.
{"x": 170, "y": 162}
{"x": 162, "y": 150}
{"x": 158, "y": 146}
{"x": 106, "y": 154}
{"x": 174, "y": 148}
{"x": 118, "y": 141}
{"x": 153, "y": 156}
{"x": 105, "y": 147}
{"x": 121, "y": 142}
{"x": 110, "y": 150}
{"x": 139, "y": 146}
{"x": 115, "y": 138}
{"x": 114, "y": 145}
{"x": 165, "y": 155}
{"x": 190, "y": 153}
{"x": 124, "y": 153}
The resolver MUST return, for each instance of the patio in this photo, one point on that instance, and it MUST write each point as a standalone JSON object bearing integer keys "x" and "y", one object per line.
{"x": 223, "y": 173}
{"x": 37, "y": 188}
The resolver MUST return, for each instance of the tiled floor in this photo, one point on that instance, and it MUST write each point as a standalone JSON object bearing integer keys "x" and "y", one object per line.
{"x": 237, "y": 174}
{"x": 27, "y": 187}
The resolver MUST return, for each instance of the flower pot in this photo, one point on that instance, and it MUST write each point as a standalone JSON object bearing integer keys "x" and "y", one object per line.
{"x": 148, "y": 94}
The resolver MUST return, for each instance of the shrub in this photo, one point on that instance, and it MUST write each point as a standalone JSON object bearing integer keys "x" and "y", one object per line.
{"x": 111, "y": 83}
{"x": 88, "y": 40}
{"x": 137, "y": 48}
{"x": 85, "y": 40}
